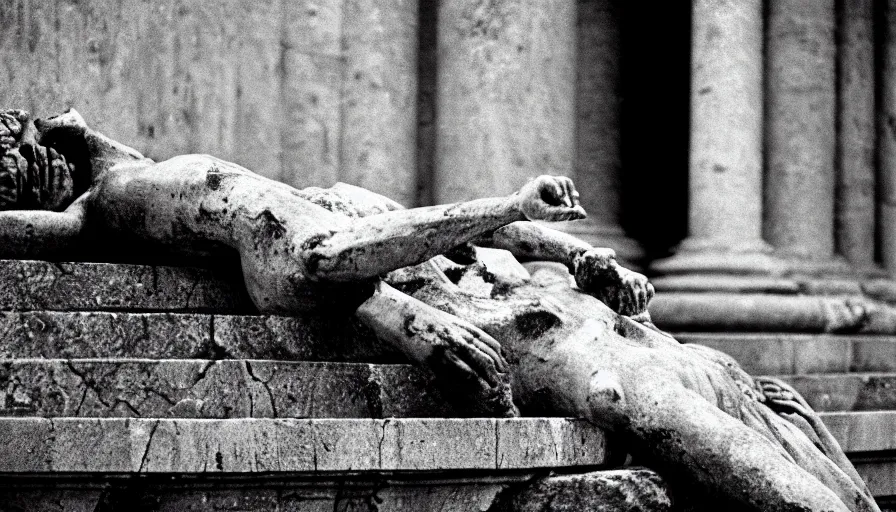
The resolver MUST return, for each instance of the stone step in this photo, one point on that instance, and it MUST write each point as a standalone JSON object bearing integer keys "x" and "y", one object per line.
{"x": 93, "y": 334}
{"x": 792, "y": 354}
{"x": 39, "y": 285}
{"x": 41, "y": 446}
{"x": 846, "y": 391}
{"x": 142, "y": 388}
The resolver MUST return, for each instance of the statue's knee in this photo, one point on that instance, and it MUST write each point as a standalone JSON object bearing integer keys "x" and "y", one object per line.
{"x": 605, "y": 393}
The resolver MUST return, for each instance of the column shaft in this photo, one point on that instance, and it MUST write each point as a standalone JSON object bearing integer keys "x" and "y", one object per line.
{"x": 379, "y": 123}
{"x": 855, "y": 146}
{"x": 597, "y": 157}
{"x": 887, "y": 144}
{"x": 506, "y": 94}
{"x": 801, "y": 128}
{"x": 726, "y": 126}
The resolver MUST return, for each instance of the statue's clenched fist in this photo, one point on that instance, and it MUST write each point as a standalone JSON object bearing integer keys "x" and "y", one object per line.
{"x": 550, "y": 198}
{"x": 624, "y": 291}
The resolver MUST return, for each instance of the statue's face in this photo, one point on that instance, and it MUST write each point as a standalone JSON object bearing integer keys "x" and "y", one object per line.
{"x": 32, "y": 176}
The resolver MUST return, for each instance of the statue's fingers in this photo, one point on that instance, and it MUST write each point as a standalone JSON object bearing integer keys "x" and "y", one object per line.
{"x": 500, "y": 362}
{"x": 484, "y": 366}
{"x": 488, "y": 345}
{"x": 651, "y": 291}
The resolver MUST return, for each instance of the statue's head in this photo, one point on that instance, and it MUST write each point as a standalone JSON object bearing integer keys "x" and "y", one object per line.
{"x": 33, "y": 175}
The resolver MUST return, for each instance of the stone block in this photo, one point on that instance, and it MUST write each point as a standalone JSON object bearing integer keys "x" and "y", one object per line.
{"x": 40, "y": 285}
{"x": 215, "y": 389}
{"x": 622, "y": 490}
{"x": 239, "y": 446}
{"x": 545, "y": 442}
{"x": 55, "y": 334}
{"x": 867, "y": 431}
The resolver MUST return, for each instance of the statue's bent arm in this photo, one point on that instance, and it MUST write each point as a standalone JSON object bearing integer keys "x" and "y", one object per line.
{"x": 37, "y": 234}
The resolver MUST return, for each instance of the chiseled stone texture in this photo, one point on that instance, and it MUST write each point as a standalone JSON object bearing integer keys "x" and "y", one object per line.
{"x": 215, "y": 389}
{"x": 628, "y": 490}
{"x": 40, "y": 285}
{"x": 115, "y": 445}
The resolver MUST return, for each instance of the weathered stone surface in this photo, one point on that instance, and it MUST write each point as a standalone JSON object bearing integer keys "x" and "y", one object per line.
{"x": 886, "y": 142}
{"x": 790, "y": 353}
{"x": 253, "y": 494}
{"x": 628, "y": 490}
{"x": 847, "y": 391}
{"x": 41, "y": 285}
{"x": 215, "y": 389}
{"x": 54, "y": 334}
{"x": 77, "y": 445}
{"x": 305, "y": 337}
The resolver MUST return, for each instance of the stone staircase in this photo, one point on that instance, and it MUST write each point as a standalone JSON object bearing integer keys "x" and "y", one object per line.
{"x": 128, "y": 387}
{"x": 849, "y": 379}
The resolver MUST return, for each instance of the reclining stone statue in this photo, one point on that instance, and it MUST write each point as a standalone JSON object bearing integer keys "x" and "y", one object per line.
{"x": 479, "y": 319}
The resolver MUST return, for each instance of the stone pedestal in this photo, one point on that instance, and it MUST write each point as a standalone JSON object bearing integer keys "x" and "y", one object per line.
{"x": 597, "y": 156}
{"x": 506, "y": 95}
{"x": 725, "y": 217}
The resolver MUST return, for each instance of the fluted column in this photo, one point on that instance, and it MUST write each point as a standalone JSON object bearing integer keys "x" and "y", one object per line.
{"x": 379, "y": 119}
{"x": 855, "y": 219}
{"x": 725, "y": 210}
{"x": 801, "y": 128}
{"x": 597, "y": 162}
{"x": 506, "y": 94}
{"x": 887, "y": 143}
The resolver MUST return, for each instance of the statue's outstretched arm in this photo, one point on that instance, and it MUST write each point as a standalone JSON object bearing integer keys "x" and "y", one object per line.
{"x": 377, "y": 244}
{"x": 37, "y": 234}
{"x": 595, "y": 269}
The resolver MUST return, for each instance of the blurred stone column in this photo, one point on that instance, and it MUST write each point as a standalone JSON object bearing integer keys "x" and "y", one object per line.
{"x": 379, "y": 98}
{"x": 887, "y": 143}
{"x": 801, "y": 132}
{"x": 725, "y": 219}
{"x": 855, "y": 219}
{"x": 506, "y": 95}
{"x": 597, "y": 157}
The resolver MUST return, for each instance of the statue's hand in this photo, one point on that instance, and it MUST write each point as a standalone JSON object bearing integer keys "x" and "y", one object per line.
{"x": 466, "y": 361}
{"x": 550, "y": 198}
{"x": 447, "y": 344}
{"x": 624, "y": 291}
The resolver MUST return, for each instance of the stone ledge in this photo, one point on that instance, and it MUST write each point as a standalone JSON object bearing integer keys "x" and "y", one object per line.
{"x": 618, "y": 490}
{"x": 215, "y": 389}
{"x": 126, "y": 446}
{"x": 846, "y": 391}
{"x": 792, "y": 354}
{"x": 39, "y": 285}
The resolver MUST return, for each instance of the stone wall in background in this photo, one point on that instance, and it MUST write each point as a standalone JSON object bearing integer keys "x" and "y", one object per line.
{"x": 306, "y": 92}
